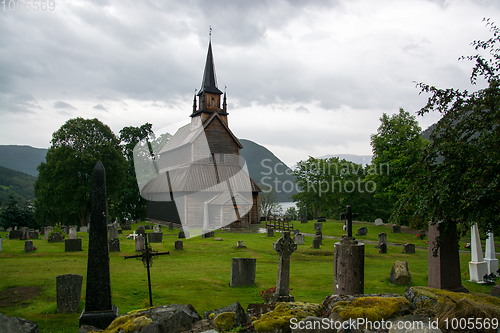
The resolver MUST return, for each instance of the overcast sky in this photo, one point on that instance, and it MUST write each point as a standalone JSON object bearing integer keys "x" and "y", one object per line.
{"x": 303, "y": 77}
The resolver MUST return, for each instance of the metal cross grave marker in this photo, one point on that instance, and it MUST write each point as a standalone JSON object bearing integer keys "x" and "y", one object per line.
{"x": 147, "y": 256}
{"x": 348, "y": 215}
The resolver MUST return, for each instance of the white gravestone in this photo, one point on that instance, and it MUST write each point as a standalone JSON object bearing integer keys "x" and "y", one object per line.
{"x": 477, "y": 266}
{"x": 72, "y": 233}
{"x": 379, "y": 222}
{"x": 489, "y": 256}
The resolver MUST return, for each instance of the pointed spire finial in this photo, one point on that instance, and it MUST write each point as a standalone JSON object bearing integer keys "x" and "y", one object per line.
{"x": 210, "y": 34}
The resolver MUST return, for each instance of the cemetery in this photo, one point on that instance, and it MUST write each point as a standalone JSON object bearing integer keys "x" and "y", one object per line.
{"x": 200, "y": 272}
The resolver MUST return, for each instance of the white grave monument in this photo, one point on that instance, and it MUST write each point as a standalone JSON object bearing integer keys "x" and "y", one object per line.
{"x": 477, "y": 266}
{"x": 379, "y": 222}
{"x": 489, "y": 257}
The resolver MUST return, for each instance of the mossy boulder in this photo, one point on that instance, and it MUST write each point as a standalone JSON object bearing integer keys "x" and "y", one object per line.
{"x": 225, "y": 320}
{"x": 280, "y": 317}
{"x": 372, "y": 308}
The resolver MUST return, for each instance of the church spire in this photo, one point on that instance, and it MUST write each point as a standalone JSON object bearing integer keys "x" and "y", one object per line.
{"x": 209, "y": 83}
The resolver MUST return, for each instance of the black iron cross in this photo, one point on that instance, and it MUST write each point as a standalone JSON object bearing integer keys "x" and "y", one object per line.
{"x": 147, "y": 256}
{"x": 348, "y": 215}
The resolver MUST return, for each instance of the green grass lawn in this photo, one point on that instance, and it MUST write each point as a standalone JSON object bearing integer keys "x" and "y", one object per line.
{"x": 200, "y": 274}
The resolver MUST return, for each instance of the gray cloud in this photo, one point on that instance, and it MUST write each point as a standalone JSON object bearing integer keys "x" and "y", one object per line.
{"x": 99, "y": 107}
{"x": 63, "y": 105}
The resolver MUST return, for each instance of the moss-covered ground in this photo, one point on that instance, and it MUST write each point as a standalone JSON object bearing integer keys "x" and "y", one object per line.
{"x": 200, "y": 274}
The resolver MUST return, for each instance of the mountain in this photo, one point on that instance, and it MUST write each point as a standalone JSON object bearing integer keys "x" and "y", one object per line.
{"x": 22, "y": 158}
{"x": 14, "y": 181}
{"x": 267, "y": 169}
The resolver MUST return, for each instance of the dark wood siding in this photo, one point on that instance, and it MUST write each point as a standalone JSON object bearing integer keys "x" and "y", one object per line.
{"x": 219, "y": 139}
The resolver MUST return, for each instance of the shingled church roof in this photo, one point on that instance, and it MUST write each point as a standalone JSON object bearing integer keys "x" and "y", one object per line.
{"x": 209, "y": 83}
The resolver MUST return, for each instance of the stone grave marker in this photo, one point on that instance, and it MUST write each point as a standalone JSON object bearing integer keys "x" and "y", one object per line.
{"x": 182, "y": 234}
{"x": 179, "y": 245}
{"x": 139, "y": 243}
{"x": 65, "y": 229}
{"x": 363, "y": 231}
{"x": 477, "y": 266}
{"x": 72, "y": 233}
{"x": 382, "y": 239}
{"x": 242, "y": 272}
{"x": 24, "y": 233}
{"x": 170, "y": 226}
{"x": 318, "y": 226}
{"x": 1, "y": 244}
{"x": 489, "y": 256}
{"x": 73, "y": 245}
{"x": 319, "y": 235}
{"x": 383, "y": 248}
{"x": 113, "y": 242}
{"x": 396, "y": 229}
{"x": 155, "y": 237}
{"x": 48, "y": 230}
{"x": 141, "y": 230}
{"x": 156, "y": 228}
{"x": 208, "y": 234}
{"x": 299, "y": 239}
{"x": 409, "y": 248}
{"x": 349, "y": 261}
{"x": 32, "y": 234}
{"x": 400, "y": 273}
{"x": 304, "y": 220}
{"x": 316, "y": 243}
{"x": 239, "y": 245}
{"x": 15, "y": 234}
{"x": 296, "y": 231}
{"x": 28, "y": 246}
{"x": 84, "y": 229}
{"x": 69, "y": 291}
{"x": 99, "y": 311}
{"x": 147, "y": 227}
{"x": 56, "y": 238}
{"x": 378, "y": 222}
{"x": 444, "y": 268}
{"x": 270, "y": 232}
{"x": 284, "y": 246}
{"x": 321, "y": 219}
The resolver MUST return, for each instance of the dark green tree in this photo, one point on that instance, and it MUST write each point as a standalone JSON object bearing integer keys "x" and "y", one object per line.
{"x": 396, "y": 147}
{"x": 64, "y": 182}
{"x": 17, "y": 213}
{"x": 457, "y": 178}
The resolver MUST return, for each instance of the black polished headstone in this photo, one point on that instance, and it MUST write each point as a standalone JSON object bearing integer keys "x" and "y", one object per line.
{"x": 99, "y": 311}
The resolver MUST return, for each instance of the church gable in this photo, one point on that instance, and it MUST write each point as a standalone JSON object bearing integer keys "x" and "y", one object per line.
{"x": 220, "y": 139}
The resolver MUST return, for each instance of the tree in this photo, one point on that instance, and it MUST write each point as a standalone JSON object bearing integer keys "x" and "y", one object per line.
{"x": 16, "y": 214}
{"x": 457, "y": 178}
{"x": 268, "y": 203}
{"x": 396, "y": 147}
{"x": 64, "y": 182}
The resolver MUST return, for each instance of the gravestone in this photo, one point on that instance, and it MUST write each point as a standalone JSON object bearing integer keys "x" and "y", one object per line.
{"x": 48, "y": 230}
{"x": 139, "y": 243}
{"x": 239, "y": 245}
{"x": 383, "y": 248}
{"x": 378, "y": 222}
{"x": 141, "y": 230}
{"x": 299, "y": 239}
{"x": 69, "y": 291}
{"x": 477, "y": 266}
{"x": 1, "y": 244}
{"x": 296, "y": 231}
{"x": 316, "y": 243}
{"x": 284, "y": 246}
{"x": 24, "y": 233}
{"x": 99, "y": 311}
{"x": 242, "y": 272}
{"x": 208, "y": 234}
{"x": 65, "y": 229}
{"x": 28, "y": 246}
{"x": 409, "y": 248}
{"x": 304, "y": 220}
{"x": 400, "y": 273}
{"x": 155, "y": 237}
{"x": 382, "y": 239}
{"x": 72, "y": 233}
{"x": 396, "y": 229}
{"x": 319, "y": 235}
{"x": 363, "y": 231}
{"x": 179, "y": 245}
{"x": 120, "y": 231}
{"x": 444, "y": 269}
{"x": 113, "y": 242}
{"x": 56, "y": 238}
{"x": 156, "y": 228}
{"x": 83, "y": 229}
{"x": 170, "y": 226}
{"x": 321, "y": 219}
{"x": 73, "y": 245}
{"x": 270, "y": 232}
{"x": 182, "y": 235}
{"x": 318, "y": 226}
{"x": 147, "y": 227}
{"x": 489, "y": 256}
{"x": 349, "y": 262}
{"x": 15, "y": 234}
{"x": 32, "y": 234}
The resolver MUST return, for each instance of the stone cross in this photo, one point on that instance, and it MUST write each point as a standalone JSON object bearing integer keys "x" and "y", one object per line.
{"x": 348, "y": 215}
{"x": 147, "y": 256}
{"x": 99, "y": 311}
{"x": 284, "y": 247}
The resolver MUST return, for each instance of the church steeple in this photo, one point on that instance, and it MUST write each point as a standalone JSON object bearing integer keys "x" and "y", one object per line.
{"x": 209, "y": 83}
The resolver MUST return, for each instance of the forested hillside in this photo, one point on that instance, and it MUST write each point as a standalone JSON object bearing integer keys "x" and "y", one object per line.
{"x": 19, "y": 183}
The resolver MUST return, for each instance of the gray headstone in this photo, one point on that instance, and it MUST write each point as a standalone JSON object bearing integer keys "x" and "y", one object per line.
{"x": 179, "y": 245}
{"x": 383, "y": 248}
{"x": 69, "y": 291}
{"x": 318, "y": 226}
{"x": 363, "y": 231}
{"x": 72, "y": 233}
{"x": 24, "y": 233}
{"x": 83, "y": 229}
{"x": 65, "y": 229}
{"x": 48, "y": 230}
{"x": 147, "y": 227}
{"x": 284, "y": 246}
{"x": 242, "y": 272}
{"x": 270, "y": 232}
{"x": 56, "y": 238}
{"x": 32, "y": 234}
{"x": 141, "y": 230}
{"x": 299, "y": 239}
{"x": 304, "y": 220}
{"x": 99, "y": 311}
{"x": 319, "y": 235}
{"x": 382, "y": 239}
{"x": 400, "y": 273}
{"x": 114, "y": 245}
{"x": 113, "y": 232}
{"x": 73, "y": 245}
{"x": 15, "y": 234}
{"x": 316, "y": 243}
{"x": 321, "y": 219}
{"x": 379, "y": 222}
{"x": 28, "y": 246}
{"x": 170, "y": 226}
{"x": 155, "y": 237}
{"x": 182, "y": 235}
{"x": 239, "y": 245}
{"x": 208, "y": 234}
{"x": 349, "y": 267}
{"x": 409, "y": 248}
{"x": 396, "y": 229}
{"x": 296, "y": 231}
{"x": 156, "y": 228}
{"x": 139, "y": 243}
